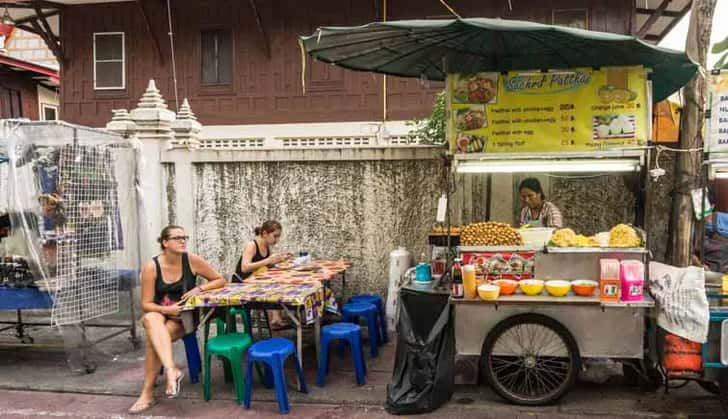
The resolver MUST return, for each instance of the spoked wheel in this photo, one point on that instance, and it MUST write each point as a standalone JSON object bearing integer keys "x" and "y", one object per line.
{"x": 530, "y": 359}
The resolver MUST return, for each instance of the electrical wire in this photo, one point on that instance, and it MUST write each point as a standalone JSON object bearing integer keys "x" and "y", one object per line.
{"x": 174, "y": 64}
{"x": 444, "y": 3}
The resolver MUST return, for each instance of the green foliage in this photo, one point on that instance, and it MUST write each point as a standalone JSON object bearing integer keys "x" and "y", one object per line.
{"x": 432, "y": 129}
{"x": 721, "y": 48}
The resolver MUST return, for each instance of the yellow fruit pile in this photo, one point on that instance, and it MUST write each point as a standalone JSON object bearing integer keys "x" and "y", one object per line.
{"x": 566, "y": 237}
{"x": 490, "y": 234}
{"x": 584, "y": 241}
{"x": 623, "y": 235}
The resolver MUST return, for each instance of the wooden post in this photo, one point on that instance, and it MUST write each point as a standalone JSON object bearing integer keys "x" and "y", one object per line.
{"x": 688, "y": 167}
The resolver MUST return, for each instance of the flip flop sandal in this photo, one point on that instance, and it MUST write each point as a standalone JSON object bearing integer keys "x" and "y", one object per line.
{"x": 143, "y": 408}
{"x": 177, "y": 387}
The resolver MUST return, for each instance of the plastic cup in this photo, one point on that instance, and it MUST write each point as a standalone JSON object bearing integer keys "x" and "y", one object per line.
{"x": 470, "y": 285}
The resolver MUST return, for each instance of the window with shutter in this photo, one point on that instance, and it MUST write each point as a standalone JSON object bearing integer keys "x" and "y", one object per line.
{"x": 217, "y": 57}
{"x": 109, "y": 61}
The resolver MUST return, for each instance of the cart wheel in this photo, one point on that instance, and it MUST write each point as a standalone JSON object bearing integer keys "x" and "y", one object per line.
{"x": 530, "y": 359}
{"x": 723, "y": 390}
{"x": 710, "y": 386}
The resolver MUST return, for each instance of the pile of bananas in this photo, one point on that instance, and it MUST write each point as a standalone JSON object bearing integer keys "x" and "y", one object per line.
{"x": 566, "y": 237}
{"x": 563, "y": 237}
{"x": 623, "y": 235}
{"x": 490, "y": 234}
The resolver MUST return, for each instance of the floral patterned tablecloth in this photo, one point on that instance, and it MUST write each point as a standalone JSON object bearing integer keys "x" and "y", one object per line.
{"x": 282, "y": 285}
{"x": 310, "y": 295}
{"x": 316, "y": 271}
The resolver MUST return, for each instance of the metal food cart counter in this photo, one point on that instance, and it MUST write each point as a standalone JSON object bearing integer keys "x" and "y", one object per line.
{"x": 526, "y": 330}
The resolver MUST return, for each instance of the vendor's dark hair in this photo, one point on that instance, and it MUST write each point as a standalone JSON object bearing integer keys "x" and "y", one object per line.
{"x": 268, "y": 227}
{"x": 533, "y": 184}
{"x": 165, "y": 234}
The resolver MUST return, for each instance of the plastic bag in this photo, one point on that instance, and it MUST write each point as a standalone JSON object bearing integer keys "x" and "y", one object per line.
{"x": 423, "y": 378}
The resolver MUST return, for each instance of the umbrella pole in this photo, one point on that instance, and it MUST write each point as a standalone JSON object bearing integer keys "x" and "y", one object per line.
{"x": 384, "y": 77}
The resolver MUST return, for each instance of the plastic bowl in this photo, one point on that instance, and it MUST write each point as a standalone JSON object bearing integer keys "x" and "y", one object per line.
{"x": 507, "y": 286}
{"x": 488, "y": 292}
{"x": 584, "y": 287}
{"x": 558, "y": 288}
{"x": 531, "y": 286}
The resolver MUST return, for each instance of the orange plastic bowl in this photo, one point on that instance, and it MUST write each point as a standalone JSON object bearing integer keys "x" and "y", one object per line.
{"x": 584, "y": 287}
{"x": 507, "y": 286}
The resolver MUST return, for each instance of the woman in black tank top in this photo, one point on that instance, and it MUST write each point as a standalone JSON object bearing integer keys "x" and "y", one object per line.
{"x": 256, "y": 253}
{"x": 169, "y": 279}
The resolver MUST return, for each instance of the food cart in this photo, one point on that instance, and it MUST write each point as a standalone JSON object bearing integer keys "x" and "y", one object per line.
{"x": 525, "y": 97}
{"x": 529, "y": 348}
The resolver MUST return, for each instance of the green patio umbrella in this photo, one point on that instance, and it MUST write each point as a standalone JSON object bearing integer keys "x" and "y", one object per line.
{"x": 429, "y": 49}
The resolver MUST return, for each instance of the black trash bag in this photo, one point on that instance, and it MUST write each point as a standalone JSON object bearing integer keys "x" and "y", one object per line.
{"x": 423, "y": 376}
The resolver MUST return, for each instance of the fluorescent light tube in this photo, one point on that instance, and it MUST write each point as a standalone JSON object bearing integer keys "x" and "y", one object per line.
{"x": 549, "y": 166}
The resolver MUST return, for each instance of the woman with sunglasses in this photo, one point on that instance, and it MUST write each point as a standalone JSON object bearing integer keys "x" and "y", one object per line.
{"x": 167, "y": 281}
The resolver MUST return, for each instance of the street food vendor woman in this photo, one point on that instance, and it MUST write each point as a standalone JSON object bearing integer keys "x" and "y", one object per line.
{"x": 537, "y": 211}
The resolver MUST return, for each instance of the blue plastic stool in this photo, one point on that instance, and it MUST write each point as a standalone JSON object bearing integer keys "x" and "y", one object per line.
{"x": 352, "y": 312}
{"x": 274, "y": 352}
{"x": 194, "y": 361}
{"x": 348, "y": 332}
{"x": 377, "y": 301}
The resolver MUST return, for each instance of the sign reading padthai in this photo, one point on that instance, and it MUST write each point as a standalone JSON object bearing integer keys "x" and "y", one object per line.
{"x": 569, "y": 110}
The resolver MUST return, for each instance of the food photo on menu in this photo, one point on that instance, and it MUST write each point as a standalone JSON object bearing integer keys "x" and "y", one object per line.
{"x": 476, "y": 88}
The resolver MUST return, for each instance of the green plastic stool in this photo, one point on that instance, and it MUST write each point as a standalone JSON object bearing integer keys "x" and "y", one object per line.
{"x": 221, "y": 328}
{"x": 230, "y": 347}
{"x": 232, "y": 327}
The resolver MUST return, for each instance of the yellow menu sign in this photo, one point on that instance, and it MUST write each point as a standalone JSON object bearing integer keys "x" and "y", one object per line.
{"x": 560, "y": 111}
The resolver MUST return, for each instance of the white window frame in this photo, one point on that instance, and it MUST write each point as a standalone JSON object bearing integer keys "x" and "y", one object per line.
{"x": 43, "y": 107}
{"x": 123, "y": 61}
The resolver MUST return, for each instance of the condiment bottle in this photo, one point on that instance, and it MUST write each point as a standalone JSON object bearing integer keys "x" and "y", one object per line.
{"x": 457, "y": 281}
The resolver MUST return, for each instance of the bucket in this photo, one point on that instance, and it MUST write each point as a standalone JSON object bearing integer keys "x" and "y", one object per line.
{"x": 536, "y": 236}
{"x": 423, "y": 272}
{"x": 682, "y": 357}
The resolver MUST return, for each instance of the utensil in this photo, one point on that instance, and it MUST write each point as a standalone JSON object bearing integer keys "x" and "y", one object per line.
{"x": 558, "y": 288}
{"x": 488, "y": 292}
{"x": 584, "y": 287}
{"x": 507, "y": 286}
{"x": 531, "y": 286}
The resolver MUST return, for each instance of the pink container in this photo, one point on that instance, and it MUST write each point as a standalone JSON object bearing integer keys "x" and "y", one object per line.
{"x": 632, "y": 280}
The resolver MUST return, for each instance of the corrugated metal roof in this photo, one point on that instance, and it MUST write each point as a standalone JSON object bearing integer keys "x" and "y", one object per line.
{"x": 669, "y": 13}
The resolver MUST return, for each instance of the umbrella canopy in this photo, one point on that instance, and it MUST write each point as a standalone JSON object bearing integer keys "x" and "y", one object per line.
{"x": 430, "y": 49}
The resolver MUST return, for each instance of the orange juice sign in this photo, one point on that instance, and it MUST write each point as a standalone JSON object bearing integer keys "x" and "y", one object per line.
{"x": 571, "y": 110}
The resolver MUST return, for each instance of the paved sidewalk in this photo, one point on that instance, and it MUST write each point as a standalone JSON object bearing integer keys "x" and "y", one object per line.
{"x": 40, "y": 377}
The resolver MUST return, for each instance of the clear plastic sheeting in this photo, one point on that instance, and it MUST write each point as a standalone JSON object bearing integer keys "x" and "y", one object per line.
{"x": 69, "y": 194}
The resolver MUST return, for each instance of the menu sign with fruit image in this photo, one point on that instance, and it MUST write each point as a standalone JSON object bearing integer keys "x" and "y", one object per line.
{"x": 558, "y": 111}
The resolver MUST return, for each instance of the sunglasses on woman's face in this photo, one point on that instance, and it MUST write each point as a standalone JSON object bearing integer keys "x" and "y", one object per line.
{"x": 179, "y": 238}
